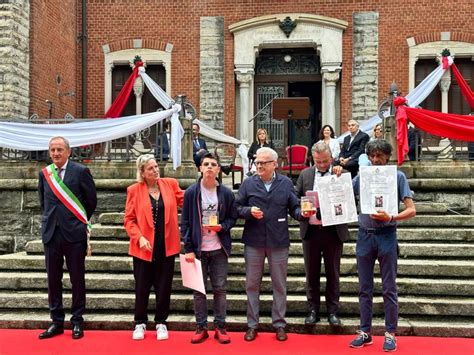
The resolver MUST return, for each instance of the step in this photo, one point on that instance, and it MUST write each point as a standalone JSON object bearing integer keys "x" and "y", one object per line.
{"x": 407, "y": 326}
{"x": 407, "y": 250}
{"x": 296, "y": 304}
{"x": 23, "y": 281}
{"x": 116, "y": 218}
{"x": 451, "y": 234}
{"x": 406, "y": 267}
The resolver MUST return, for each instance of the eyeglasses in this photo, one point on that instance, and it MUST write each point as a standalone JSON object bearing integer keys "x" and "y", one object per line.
{"x": 263, "y": 163}
{"x": 377, "y": 129}
{"x": 211, "y": 164}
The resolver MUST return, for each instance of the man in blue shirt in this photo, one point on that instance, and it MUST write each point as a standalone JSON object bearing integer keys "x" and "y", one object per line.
{"x": 264, "y": 201}
{"x": 377, "y": 240}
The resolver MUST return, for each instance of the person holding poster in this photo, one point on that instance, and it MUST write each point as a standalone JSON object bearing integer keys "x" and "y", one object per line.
{"x": 321, "y": 241}
{"x": 377, "y": 240}
{"x": 208, "y": 215}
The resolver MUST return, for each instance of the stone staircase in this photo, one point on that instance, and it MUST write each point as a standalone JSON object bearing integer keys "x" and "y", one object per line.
{"x": 436, "y": 281}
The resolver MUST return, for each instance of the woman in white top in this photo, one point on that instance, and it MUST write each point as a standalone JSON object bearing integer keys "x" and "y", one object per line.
{"x": 326, "y": 135}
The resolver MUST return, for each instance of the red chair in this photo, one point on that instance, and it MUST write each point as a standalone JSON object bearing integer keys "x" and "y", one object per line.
{"x": 298, "y": 161}
{"x": 225, "y": 149}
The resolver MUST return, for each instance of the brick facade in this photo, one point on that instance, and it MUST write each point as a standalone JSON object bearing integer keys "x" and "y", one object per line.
{"x": 156, "y": 23}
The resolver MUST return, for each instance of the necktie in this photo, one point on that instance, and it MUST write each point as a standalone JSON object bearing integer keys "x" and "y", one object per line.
{"x": 196, "y": 143}
{"x": 60, "y": 172}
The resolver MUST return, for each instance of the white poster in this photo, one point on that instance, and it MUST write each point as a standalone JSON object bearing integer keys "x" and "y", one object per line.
{"x": 336, "y": 199}
{"x": 378, "y": 189}
{"x": 191, "y": 274}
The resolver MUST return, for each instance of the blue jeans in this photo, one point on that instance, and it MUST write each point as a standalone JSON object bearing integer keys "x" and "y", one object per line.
{"x": 381, "y": 245}
{"x": 214, "y": 264}
{"x": 278, "y": 265}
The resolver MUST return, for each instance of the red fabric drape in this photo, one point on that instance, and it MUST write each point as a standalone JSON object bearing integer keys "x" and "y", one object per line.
{"x": 447, "y": 125}
{"x": 115, "y": 110}
{"x": 466, "y": 91}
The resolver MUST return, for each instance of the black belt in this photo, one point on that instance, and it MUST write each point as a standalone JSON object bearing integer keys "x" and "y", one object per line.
{"x": 387, "y": 229}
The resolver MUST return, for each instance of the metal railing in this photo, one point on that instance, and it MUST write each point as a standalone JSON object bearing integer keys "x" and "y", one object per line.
{"x": 151, "y": 140}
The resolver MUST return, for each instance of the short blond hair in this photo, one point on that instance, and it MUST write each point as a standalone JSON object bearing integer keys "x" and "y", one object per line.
{"x": 143, "y": 160}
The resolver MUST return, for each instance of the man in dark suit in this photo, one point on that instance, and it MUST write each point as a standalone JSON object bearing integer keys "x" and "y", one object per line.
{"x": 352, "y": 147}
{"x": 321, "y": 241}
{"x": 64, "y": 235}
{"x": 199, "y": 146}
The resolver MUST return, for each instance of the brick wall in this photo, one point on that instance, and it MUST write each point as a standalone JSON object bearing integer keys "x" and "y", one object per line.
{"x": 53, "y": 52}
{"x": 178, "y": 23}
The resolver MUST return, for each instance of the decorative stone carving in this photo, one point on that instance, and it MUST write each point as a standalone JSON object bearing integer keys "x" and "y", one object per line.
{"x": 287, "y": 26}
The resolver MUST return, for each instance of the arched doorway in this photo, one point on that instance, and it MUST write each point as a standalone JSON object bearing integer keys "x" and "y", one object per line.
{"x": 322, "y": 35}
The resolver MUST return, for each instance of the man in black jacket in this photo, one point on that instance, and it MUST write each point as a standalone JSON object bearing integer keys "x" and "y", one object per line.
{"x": 352, "y": 147}
{"x": 321, "y": 241}
{"x": 64, "y": 234}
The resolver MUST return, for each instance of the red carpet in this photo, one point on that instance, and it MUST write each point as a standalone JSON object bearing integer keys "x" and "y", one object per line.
{"x": 21, "y": 342}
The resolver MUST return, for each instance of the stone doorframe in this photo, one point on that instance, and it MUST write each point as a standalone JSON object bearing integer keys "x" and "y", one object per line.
{"x": 324, "y": 34}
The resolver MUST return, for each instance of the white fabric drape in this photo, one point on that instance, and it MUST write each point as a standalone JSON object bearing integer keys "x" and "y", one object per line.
{"x": 30, "y": 136}
{"x": 209, "y": 132}
{"x": 414, "y": 97}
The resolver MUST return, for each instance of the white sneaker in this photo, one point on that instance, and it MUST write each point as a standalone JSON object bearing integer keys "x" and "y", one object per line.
{"x": 161, "y": 332}
{"x": 139, "y": 332}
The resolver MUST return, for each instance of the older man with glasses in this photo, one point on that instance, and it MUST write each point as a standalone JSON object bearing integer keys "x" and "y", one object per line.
{"x": 264, "y": 201}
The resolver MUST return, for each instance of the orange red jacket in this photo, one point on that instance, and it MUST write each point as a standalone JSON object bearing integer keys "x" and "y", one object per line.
{"x": 138, "y": 220}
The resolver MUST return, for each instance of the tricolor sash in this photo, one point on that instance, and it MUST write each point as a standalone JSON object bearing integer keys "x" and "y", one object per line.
{"x": 62, "y": 192}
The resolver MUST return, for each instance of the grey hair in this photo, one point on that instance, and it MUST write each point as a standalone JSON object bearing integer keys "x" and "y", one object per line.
{"x": 66, "y": 142}
{"x": 320, "y": 147}
{"x": 142, "y": 160}
{"x": 267, "y": 150}
{"x": 355, "y": 121}
{"x": 378, "y": 145}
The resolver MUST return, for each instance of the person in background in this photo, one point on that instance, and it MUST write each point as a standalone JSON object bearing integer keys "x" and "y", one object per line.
{"x": 260, "y": 141}
{"x": 163, "y": 143}
{"x": 199, "y": 145}
{"x": 352, "y": 147}
{"x": 414, "y": 143}
{"x": 210, "y": 242}
{"x": 319, "y": 241}
{"x": 64, "y": 235}
{"x": 377, "y": 240}
{"x": 326, "y": 135}
{"x": 151, "y": 222}
{"x": 264, "y": 201}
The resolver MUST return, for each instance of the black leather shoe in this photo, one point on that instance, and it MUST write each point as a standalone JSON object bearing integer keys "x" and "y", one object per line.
{"x": 77, "y": 331}
{"x": 334, "y": 320}
{"x": 312, "y": 318}
{"x": 53, "y": 330}
{"x": 251, "y": 334}
{"x": 281, "y": 334}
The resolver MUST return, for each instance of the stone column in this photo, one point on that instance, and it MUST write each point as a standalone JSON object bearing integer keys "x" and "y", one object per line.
{"x": 329, "y": 113}
{"x": 444, "y": 85}
{"x": 244, "y": 78}
{"x": 138, "y": 91}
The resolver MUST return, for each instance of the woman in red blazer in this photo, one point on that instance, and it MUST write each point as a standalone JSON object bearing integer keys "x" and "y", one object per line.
{"x": 151, "y": 221}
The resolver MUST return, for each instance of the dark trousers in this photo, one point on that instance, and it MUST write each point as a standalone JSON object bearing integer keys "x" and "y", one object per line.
{"x": 214, "y": 265}
{"x": 55, "y": 251}
{"x": 322, "y": 242}
{"x": 159, "y": 274}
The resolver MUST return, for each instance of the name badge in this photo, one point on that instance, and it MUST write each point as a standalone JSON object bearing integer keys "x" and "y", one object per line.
{"x": 281, "y": 219}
